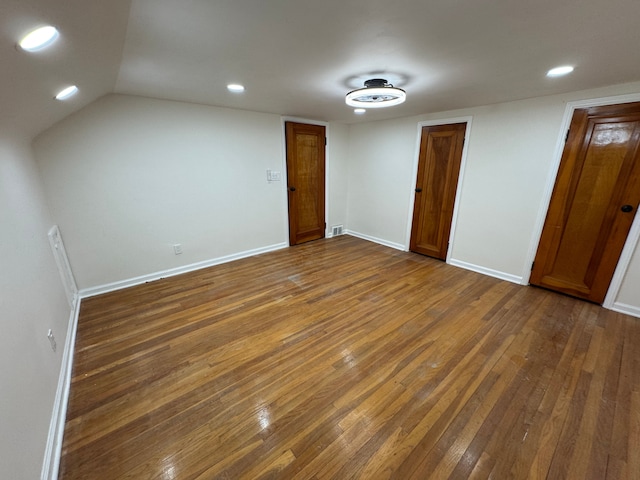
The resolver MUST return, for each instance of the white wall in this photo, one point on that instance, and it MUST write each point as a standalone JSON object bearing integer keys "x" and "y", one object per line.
{"x": 511, "y": 156}
{"x": 628, "y": 299}
{"x": 380, "y": 179}
{"x": 128, "y": 177}
{"x": 337, "y": 174}
{"x": 32, "y": 300}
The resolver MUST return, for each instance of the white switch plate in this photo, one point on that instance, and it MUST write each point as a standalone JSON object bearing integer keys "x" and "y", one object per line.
{"x": 177, "y": 249}
{"x": 273, "y": 176}
{"x": 52, "y": 340}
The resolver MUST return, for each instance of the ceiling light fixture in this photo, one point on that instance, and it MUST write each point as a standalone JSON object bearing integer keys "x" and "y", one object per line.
{"x": 377, "y": 93}
{"x": 560, "y": 71}
{"x": 39, "y": 38}
{"x": 67, "y": 92}
{"x": 235, "y": 88}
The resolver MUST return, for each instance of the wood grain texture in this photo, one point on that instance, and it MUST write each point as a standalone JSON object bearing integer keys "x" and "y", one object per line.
{"x": 345, "y": 359}
{"x": 436, "y": 185}
{"x": 586, "y": 228}
{"x": 305, "y": 181}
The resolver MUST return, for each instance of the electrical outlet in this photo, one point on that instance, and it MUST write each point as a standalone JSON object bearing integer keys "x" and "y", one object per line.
{"x": 52, "y": 340}
{"x": 177, "y": 249}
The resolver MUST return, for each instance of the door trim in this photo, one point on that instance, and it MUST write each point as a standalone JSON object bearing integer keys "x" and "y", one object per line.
{"x": 285, "y": 179}
{"x": 414, "y": 179}
{"x": 634, "y": 234}
{"x": 623, "y": 263}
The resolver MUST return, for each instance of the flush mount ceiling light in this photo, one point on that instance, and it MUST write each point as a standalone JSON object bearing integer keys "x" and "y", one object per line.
{"x": 39, "y": 38}
{"x": 560, "y": 71}
{"x": 377, "y": 93}
{"x": 67, "y": 92}
{"x": 359, "y": 111}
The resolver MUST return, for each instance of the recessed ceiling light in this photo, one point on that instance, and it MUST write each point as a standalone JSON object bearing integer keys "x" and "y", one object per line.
{"x": 359, "y": 111}
{"x": 235, "y": 88}
{"x": 560, "y": 71}
{"x": 39, "y": 38}
{"x": 67, "y": 92}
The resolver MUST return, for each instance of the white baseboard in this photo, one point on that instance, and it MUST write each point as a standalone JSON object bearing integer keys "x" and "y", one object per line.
{"x": 110, "y": 287}
{"x": 486, "y": 271}
{"x": 627, "y": 309}
{"x": 386, "y": 243}
{"x": 51, "y": 463}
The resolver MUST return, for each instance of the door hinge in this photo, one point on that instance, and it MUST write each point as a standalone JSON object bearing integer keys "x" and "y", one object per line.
{"x": 532, "y": 264}
{"x": 567, "y": 137}
{"x": 325, "y": 141}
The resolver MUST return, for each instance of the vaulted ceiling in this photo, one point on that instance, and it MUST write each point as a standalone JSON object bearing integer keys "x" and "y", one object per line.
{"x": 300, "y": 57}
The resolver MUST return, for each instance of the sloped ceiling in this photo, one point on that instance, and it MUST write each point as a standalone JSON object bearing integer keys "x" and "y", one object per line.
{"x": 87, "y": 54}
{"x": 300, "y": 57}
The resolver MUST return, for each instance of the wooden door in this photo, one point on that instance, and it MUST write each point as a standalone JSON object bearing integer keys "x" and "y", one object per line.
{"x": 435, "y": 193}
{"x": 593, "y": 204}
{"x": 305, "y": 181}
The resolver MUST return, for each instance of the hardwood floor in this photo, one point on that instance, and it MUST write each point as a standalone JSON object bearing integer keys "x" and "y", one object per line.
{"x": 345, "y": 359}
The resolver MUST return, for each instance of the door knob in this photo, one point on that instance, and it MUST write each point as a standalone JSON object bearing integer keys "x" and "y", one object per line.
{"x": 626, "y": 208}
{"x": 418, "y": 190}
{"x": 292, "y": 189}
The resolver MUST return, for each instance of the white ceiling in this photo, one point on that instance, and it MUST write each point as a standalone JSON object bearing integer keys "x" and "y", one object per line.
{"x": 300, "y": 57}
{"x": 87, "y": 54}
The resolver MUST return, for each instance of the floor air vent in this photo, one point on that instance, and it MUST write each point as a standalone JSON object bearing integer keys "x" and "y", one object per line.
{"x": 336, "y": 230}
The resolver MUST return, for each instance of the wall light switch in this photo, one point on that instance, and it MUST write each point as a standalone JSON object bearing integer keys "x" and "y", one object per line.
{"x": 273, "y": 176}
{"x": 52, "y": 340}
{"x": 177, "y": 249}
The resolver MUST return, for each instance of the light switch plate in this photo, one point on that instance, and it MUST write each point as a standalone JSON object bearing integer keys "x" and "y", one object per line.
{"x": 273, "y": 176}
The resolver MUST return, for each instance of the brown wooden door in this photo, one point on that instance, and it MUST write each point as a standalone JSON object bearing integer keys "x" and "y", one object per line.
{"x": 593, "y": 204}
{"x": 438, "y": 170}
{"x": 305, "y": 179}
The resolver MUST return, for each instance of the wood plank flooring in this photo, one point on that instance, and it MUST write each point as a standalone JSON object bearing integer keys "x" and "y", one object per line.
{"x": 343, "y": 359}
